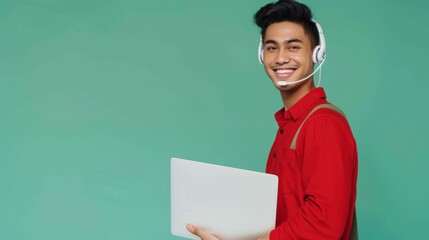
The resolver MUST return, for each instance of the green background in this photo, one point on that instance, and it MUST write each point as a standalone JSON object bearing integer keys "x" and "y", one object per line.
{"x": 96, "y": 96}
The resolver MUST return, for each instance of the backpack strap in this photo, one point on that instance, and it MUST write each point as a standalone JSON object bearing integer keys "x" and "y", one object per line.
{"x": 325, "y": 105}
{"x": 354, "y": 230}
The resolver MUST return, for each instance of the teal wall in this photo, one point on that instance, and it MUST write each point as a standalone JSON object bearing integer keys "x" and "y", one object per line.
{"x": 97, "y": 95}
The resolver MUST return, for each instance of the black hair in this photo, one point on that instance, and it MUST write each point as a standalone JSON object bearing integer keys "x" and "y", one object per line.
{"x": 287, "y": 10}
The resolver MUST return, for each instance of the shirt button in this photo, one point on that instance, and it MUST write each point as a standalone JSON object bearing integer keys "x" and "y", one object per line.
{"x": 274, "y": 155}
{"x": 281, "y": 131}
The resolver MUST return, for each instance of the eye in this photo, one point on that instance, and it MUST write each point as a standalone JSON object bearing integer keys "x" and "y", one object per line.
{"x": 294, "y": 48}
{"x": 270, "y": 48}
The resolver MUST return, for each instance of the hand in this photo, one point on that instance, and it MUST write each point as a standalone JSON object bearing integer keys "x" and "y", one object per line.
{"x": 200, "y": 233}
{"x": 266, "y": 237}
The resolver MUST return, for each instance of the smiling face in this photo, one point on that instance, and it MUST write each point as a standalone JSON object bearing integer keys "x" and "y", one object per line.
{"x": 288, "y": 55}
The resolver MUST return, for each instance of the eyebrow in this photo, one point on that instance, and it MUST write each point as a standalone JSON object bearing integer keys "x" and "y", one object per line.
{"x": 286, "y": 42}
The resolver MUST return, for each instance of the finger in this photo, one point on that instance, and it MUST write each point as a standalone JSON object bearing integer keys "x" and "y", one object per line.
{"x": 266, "y": 237}
{"x": 200, "y": 233}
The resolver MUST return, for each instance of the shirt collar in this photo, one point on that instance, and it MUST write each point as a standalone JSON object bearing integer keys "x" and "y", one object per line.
{"x": 300, "y": 107}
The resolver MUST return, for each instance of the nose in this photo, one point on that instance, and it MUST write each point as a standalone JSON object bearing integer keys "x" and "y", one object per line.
{"x": 282, "y": 57}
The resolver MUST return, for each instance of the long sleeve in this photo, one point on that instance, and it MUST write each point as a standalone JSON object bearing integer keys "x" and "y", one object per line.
{"x": 327, "y": 159}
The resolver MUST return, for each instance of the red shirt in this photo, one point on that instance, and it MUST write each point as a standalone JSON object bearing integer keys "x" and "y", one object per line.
{"x": 317, "y": 180}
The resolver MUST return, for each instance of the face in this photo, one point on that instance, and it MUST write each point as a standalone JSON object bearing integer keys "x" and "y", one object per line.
{"x": 288, "y": 54}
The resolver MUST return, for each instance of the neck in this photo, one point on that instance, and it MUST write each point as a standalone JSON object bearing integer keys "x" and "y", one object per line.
{"x": 293, "y": 95}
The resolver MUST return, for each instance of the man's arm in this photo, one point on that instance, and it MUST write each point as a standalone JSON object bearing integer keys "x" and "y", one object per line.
{"x": 327, "y": 154}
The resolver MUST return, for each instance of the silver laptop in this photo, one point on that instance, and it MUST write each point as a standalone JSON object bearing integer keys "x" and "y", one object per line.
{"x": 231, "y": 203}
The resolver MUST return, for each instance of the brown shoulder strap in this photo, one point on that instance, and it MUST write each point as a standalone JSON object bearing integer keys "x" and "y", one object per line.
{"x": 354, "y": 231}
{"x": 326, "y": 105}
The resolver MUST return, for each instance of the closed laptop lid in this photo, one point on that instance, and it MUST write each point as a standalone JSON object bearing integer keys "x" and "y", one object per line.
{"x": 233, "y": 204}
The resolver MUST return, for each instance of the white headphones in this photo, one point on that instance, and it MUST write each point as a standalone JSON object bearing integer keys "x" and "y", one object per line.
{"x": 319, "y": 52}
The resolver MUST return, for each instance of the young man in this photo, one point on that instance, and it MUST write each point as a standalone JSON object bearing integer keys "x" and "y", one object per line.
{"x": 314, "y": 153}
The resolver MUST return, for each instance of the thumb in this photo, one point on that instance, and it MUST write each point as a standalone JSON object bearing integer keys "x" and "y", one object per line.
{"x": 200, "y": 233}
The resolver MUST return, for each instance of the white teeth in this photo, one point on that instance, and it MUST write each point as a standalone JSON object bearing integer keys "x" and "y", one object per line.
{"x": 282, "y": 71}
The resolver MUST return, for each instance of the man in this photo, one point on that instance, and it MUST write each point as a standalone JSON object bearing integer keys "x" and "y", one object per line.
{"x": 314, "y": 153}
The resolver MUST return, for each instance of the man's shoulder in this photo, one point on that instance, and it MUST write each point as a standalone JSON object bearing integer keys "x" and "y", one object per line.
{"x": 328, "y": 110}
{"x": 327, "y": 117}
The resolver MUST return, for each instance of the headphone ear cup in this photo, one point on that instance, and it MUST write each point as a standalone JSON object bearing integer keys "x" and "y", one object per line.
{"x": 261, "y": 52}
{"x": 316, "y": 52}
{"x": 321, "y": 54}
